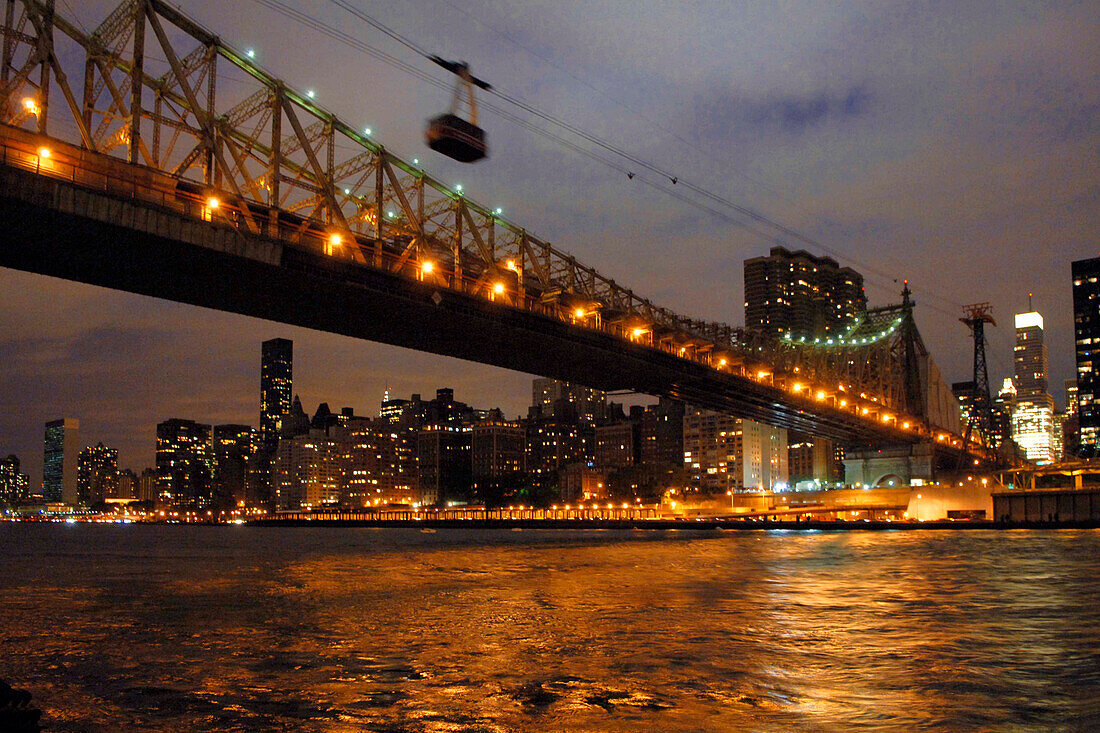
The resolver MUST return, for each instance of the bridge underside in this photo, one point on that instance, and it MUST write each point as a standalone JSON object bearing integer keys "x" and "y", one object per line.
{"x": 56, "y": 228}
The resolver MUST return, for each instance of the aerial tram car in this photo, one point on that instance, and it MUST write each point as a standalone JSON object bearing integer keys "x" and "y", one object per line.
{"x": 449, "y": 133}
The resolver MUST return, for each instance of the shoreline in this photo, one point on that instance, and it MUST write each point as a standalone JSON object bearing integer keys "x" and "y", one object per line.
{"x": 705, "y": 525}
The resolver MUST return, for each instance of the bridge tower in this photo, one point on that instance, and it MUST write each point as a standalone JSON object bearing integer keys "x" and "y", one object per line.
{"x": 981, "y": 410}
{"x": 914, "y": 390}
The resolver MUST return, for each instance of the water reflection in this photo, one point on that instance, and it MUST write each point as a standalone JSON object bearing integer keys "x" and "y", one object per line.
{"x": 153, "y": 628}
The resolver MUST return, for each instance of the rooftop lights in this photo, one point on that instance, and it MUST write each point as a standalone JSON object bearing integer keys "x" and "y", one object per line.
{"x": 366, "y": 130}
{"x": 309, "y": 93}
{"x": 250, "y": 53}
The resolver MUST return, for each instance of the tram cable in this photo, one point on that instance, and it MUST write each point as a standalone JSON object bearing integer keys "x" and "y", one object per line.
{"x": 782, "y": 231}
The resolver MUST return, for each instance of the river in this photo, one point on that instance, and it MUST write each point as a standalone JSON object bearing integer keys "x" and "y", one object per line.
{"x": 179, "y": 628}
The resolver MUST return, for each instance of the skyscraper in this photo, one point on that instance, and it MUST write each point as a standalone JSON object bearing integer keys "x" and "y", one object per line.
{"x": 799, "y": 294}
{"x": 1086, "y": 323}
{"x": 185, "y": 463}
{"x": 59, "y": 461}
{"x": 96, "y": 474}
{"x": 276, "y": 389}
{"x": 1033, "y": 416}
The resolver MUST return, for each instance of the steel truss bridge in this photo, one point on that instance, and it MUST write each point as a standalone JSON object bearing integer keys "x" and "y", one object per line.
{"x": 125, "y": 166}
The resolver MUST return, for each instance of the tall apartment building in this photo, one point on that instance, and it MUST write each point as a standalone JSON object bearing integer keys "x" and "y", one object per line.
{"x": 380, "y": 463}
{"x": 235, "y": 478}
{"x": 59, "y": 461}
{"x": 724, "y": 453}
{"x": 1086, "y": 325}
{"x": 185, "y": 464}
{"x": 308, "y": 471}
{"x": 96, "y": 474}
{"x": 276, "y": 389}
{"x": 443, "y": 457}
{"x": 661, "y": 435}
{"x": 1033, "y": 416}
{"x": 564, "y": 400}
{"x": 796, "y": 293}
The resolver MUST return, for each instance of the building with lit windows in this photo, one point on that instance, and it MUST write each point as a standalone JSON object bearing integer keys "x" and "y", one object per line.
{"x": 443, "y": 459}
{"x": 276, "y": 389}
{"x": 96, "y": 474}
{"x": 1033, "y": 416}
{"x": 661, "y": 434}
{"x": 1086, "y": 325}
{"x": 380, "y": 463}
{"x": 799, "y": 294}
{"x": 59, "y": 461}
{"x": 14, "y": 486}
{"x": 308, "y": 471}
{"x": 185, "y": 464}
{"x": 567, "y": 401}
{"x": 616, "y": 445}
{"x": 712, "y": 451}
{"x": 725, "y": 453}
{"x": 553, "y": 443}
{"x": 235, "y": 475}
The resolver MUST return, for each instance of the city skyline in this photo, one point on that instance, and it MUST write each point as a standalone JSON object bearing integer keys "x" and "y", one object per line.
{"x": 120, "y": 352}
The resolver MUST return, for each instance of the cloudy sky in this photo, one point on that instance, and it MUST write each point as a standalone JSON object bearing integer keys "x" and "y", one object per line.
{"x": 953, "y": 144}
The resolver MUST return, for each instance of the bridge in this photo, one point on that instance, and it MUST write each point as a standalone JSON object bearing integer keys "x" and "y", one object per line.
{"x": 154, "y": 181}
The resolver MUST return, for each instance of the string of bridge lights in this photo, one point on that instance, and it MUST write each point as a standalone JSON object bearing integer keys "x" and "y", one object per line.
{"x": 623, "y": 162}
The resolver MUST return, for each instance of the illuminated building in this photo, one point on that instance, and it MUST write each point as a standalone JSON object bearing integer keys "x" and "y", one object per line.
{"x": 1003, "y": 405}
{"x": 811, "y": 458}
{"x": 553, "y": 443}
{"x": 567, "y": 401}
{"x": 276, "y": 389}
{"x": 146, "y": 487}
{"x": 379, "y": 463}
{"x": 1033, "y": 416}
{"x": 14, "y": 486}
{"x": 496, "y": 459}
{"x": 616, "y": 445}
{"x": 662, "y": 434}
{"x": 96, "y": 474}
{"x": 725, "y": 453}
{"x": 443, "y": 458}
{"x": 583, "y": 482}
{"x": 712, "y": 450}
{"x": 308, "y": 471}
{"x": 799, "y": 294}
{"x": 59, "y": 461}
{"x": 185, "y": 464}
{"x": 235, "y": 450}
{"x": 1086, "y": 320}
